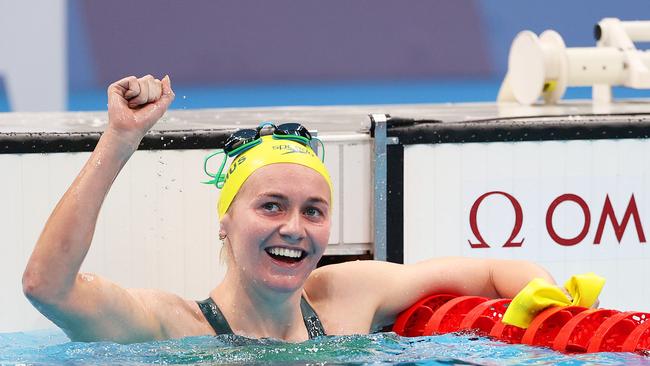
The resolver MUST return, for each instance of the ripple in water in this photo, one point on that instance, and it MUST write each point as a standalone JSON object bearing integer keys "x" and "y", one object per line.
{"x": 53, "y": 348}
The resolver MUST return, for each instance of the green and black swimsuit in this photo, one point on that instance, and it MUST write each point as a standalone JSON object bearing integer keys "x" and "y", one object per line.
{"x": 220, "y": 324}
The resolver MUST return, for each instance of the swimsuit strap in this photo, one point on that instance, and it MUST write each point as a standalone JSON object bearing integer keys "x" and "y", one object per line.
{"x": 312, "y": 322}
{"x": 220, "y": 325}
{"x": 214, "y": 316}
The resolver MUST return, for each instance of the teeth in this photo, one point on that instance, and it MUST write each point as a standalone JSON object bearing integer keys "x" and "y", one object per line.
{"x": 291, "y": 253}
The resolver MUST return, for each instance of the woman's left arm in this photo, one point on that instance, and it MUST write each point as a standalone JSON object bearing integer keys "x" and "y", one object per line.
{"x": 391, "y": 288}
{"x": 493, "y": 278}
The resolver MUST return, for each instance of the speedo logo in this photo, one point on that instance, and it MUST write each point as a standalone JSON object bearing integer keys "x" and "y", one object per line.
{"x": 292, "y": 149}
{"x": 234, "y": 166}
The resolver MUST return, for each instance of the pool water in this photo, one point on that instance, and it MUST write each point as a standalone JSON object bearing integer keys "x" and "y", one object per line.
{"x": 54, "y": 348}
{"x": 451, "y": 90}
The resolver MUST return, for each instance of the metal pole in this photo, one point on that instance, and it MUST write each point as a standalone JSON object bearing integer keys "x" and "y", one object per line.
{"x": 380, "y": 187}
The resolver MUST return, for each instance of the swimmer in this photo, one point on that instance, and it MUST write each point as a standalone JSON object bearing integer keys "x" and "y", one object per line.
{"x": 275, "y": 216}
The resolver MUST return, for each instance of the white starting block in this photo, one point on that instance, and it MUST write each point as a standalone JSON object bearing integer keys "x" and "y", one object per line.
{"x": 544, "y": 67}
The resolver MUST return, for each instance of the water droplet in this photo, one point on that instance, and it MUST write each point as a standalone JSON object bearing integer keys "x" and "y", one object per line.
{"x": 87, "y": 277}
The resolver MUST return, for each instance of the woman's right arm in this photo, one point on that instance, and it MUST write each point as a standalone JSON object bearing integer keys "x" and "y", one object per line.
{"x": 88, "y": 307}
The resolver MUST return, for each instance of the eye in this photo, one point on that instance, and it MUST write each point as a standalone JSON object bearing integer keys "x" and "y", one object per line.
{"x": 271, "y": 207}
{"x": 313, "y": 212}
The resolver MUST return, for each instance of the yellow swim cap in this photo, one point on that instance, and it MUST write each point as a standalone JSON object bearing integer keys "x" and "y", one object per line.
{"x": 270, "y": 151}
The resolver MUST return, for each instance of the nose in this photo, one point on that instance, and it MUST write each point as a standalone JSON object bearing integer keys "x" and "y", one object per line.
{"x": 292, "y": 230}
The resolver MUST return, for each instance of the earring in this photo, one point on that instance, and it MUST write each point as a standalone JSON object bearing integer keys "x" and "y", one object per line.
{"x": 222, "y": 236}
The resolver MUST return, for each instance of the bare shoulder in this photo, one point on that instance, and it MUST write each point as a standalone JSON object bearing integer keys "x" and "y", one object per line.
{"x": 178, "y": 317}
{"x": 348, "y": 278}
{"x": 347, "y": 295}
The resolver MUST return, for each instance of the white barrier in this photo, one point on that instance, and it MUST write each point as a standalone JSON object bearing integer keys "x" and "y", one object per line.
{"x": 571, "y": 206}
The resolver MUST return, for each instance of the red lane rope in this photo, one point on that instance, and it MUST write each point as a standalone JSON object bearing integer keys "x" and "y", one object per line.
{"x": 482, "y": 318}
{"x": 566, "y": 328}
{"x": 448, "y": 317}
{"x": 577, "y": 332}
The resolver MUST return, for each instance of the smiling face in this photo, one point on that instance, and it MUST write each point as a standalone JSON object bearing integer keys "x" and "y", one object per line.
{"x": 278, "y": 226}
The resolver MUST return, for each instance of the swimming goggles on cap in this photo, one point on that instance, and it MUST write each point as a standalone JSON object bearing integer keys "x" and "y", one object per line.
{"x": 247, "y": 138}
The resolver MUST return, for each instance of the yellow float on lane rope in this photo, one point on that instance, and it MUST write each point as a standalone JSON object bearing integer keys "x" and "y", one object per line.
{"x": 539, "y": 295}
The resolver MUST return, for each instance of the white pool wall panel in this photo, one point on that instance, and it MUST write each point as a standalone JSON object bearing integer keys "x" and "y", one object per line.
{"x": 442, "y": 182}
{"x": 158, "y": 227}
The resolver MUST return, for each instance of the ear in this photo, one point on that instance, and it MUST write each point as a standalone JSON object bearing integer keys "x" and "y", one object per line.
{"x": 224, "y": 225}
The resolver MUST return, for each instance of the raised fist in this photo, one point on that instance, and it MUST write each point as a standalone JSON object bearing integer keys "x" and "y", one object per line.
{"x": 135, "y": 105}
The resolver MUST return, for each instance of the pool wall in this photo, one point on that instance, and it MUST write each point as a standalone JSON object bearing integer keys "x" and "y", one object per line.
{"x": 536, "y": 196}
{"x": 569, "y": 192}
{"x": 454, "y": 172}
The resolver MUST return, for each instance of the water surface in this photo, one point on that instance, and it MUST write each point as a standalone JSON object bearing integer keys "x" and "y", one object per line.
{"x": 53, "y": 348}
